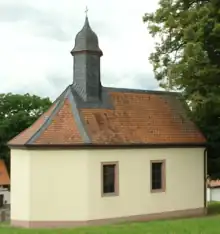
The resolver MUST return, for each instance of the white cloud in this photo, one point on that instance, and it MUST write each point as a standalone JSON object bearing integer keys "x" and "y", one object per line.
{"x": 37, "y": 36}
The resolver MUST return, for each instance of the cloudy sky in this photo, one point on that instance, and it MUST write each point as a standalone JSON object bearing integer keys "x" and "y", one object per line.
{"x": 37, "y": 36}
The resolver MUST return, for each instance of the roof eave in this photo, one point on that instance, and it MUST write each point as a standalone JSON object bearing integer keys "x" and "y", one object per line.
{"x": 214, "y": 187}
{"x": 109, "y": 146}
{"x": 4, "y": 184}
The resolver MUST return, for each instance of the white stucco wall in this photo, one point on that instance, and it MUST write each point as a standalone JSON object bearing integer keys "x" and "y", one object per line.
{"x": 59, "y": 185}
{"x": 208, "y": 194}
{"x": 66, "y": 185}
{"x": 20, "y": 184}
{"x": 184, "y": 182}
{"x": 6, "y": 195}
{"x": 213, "y": 194}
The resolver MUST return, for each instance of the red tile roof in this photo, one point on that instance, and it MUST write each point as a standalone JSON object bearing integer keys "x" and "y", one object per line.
{"x": 134, "y": 117}
{"x": 64, "y": 125}
{"x": 213, "y": 183}
{"x": 24, "y": 136}
{"x": 141, "y": 118}
{"x": 4, "y": 177}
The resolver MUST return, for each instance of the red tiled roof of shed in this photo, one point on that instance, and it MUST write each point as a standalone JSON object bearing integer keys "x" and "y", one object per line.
{"x": 4, "y": 176}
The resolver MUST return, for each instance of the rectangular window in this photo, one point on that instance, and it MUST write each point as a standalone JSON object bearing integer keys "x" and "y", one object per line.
{"x": 157, "y": 176}
{"x": 110, "y": 178}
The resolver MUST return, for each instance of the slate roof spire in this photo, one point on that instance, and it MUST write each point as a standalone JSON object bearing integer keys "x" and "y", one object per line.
{"x": 86, "y": 40}
{"x": 86, "y": 71}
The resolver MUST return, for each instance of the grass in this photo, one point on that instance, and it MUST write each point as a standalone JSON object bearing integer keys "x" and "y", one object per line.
{"x": 214, "y": 208}
{"x": 204, "y": 225}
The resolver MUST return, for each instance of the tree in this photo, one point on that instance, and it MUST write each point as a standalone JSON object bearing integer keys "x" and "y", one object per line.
{"x": 187, "y": 59}
{"x": 17, "y": 112}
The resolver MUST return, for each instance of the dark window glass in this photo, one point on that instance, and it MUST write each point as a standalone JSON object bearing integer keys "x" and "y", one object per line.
{"x": 109, "y": 178}
{"x": 157, "y": 175}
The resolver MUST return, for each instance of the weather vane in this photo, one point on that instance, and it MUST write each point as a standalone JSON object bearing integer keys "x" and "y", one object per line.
{"x": 86, "y": 11}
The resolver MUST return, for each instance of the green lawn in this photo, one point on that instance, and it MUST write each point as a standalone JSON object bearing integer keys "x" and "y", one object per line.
{"x": 204, "y": 225}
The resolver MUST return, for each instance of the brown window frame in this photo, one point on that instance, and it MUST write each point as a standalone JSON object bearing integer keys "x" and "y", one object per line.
{"x": 116, "y": 179}
{"x": 163, "y": 173}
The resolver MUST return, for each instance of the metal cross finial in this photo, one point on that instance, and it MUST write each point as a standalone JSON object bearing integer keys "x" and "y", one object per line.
{"x": 86, "y": 11}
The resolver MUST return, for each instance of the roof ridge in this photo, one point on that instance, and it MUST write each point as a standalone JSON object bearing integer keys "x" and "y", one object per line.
{"x": 58, "y": 102}
{"x": 78, "y": 119}
{"x": 141, "y": 90}
{"x": 62, "y": 94}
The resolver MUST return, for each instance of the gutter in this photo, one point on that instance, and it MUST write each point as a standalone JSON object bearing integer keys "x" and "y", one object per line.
{"x": 109, "y": 145}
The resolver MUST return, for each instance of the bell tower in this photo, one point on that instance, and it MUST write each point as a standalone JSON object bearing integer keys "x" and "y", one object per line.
{"x": 86, "y": 68}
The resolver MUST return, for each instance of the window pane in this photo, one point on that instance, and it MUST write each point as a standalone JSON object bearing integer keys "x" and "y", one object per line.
{"x": 109, "y": 178}
{"x": 156, "y": 175}
{"x": 109, "y": 169}
{"x": 156, "y": 184}
{"x": 156, "y": 166}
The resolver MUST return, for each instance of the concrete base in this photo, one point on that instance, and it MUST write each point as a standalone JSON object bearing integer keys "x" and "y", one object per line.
{"x": 148, "y": 217}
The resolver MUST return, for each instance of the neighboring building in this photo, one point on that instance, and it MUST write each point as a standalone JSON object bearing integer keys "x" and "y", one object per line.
{"x": 104, "y": 155}
{"x": 213, "y": 190}
{"x": 4, "y": 185}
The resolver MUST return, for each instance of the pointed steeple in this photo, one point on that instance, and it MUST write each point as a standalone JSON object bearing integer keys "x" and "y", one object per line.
{"x": 86, "y": 40}
{"x": 86, "y": 71}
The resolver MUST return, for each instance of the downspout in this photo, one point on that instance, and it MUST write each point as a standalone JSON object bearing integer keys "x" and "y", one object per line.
{"x": 205, "y": 180}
